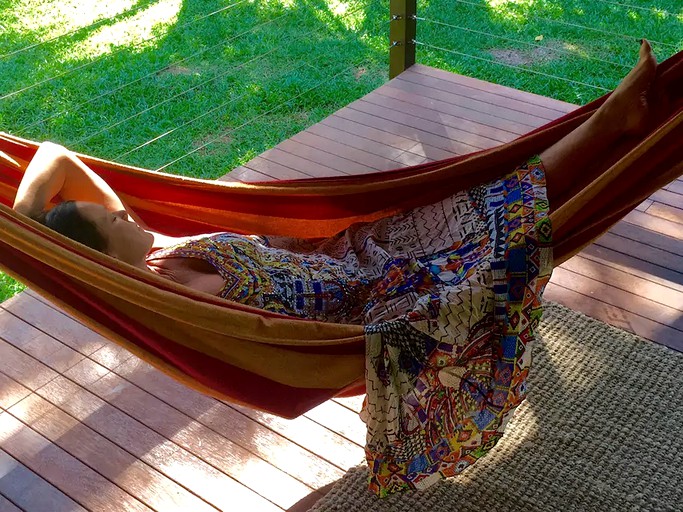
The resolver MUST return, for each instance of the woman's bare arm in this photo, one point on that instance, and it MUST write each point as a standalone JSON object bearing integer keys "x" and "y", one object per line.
{"x": 56, "y": 171}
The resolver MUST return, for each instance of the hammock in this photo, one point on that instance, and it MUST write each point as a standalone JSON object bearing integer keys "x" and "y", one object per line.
{"x": 280, "y": 364}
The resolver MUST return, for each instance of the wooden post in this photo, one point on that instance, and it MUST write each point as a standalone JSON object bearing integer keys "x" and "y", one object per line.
{"x": 402, "y": 30}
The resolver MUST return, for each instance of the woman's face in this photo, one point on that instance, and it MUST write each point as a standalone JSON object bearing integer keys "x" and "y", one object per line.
{"x": 124, "y": 239}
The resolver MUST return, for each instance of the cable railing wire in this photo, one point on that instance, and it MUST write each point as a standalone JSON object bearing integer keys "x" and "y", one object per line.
{"x": 153, "y": 73}
{"x": 576, "y": 25}
{"x": 115, "y": 52}
{"x": 171, "y": 98}
{"x": 637, "y": 7}
{"x": 468, "y": 55}
{"x": 558, "y": 50}
{"x": 231, "y": 130}
{"x": 197, "y": 118}
{"x": 167, "y": 100}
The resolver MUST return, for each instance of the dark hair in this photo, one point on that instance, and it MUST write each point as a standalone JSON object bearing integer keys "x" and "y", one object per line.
{"x": 67, "y": 220}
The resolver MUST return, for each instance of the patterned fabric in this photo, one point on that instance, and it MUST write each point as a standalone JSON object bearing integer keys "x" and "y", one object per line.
{"x": 445, "y": 377}
{"x": 313, "y": 285}
{"x": 449, "y": 294}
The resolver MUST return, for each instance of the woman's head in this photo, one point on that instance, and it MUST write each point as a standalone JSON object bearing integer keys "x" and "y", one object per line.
{"x": 112, "y": 233}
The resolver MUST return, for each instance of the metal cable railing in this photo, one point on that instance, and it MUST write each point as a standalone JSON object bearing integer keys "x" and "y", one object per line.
{"x": 270, "y": 111}
{"x": 115, "y": 52}
{"x": 435, "y": 41}
{"x": 512, "y": 66}
{"x": 576, "y": 58}
{"x": 89, "y": 104}
{"x": 663, "y": 12}
{"x": 518, "y": 41}
{"x": 577, "y": 26}
{"x": 156, "y": 71}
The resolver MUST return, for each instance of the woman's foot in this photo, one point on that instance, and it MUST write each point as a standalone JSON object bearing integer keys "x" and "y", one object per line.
{"x": 626, "y": 110}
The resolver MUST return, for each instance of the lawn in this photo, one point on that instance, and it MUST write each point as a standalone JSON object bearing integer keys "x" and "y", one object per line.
{"x": 198, "y": 88}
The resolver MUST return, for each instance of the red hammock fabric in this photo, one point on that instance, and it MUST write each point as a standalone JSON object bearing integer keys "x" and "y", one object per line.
{"x": 280, "y": 364}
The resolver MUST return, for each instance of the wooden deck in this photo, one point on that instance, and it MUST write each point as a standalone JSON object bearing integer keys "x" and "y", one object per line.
{"x": 84, "y": 425}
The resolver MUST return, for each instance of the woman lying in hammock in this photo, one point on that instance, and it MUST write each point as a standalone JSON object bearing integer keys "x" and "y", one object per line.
{"x": 458, "y": 282}
{"x": 95, "y": 216}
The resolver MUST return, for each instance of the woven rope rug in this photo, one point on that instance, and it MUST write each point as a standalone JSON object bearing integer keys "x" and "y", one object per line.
{"x": 601, "y": 430}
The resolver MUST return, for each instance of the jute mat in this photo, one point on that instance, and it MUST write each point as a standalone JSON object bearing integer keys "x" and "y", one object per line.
{"x": 601, "y": 430}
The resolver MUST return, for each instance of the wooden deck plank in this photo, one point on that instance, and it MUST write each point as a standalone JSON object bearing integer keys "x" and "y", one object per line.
{"x": 337, "y": 148}
{"x": 68, "y": 474}
{"x": 326, "y": 157}
{"x": 668, "y": 297}
{"x": 675, "y": 186}
{"x": 37, "y": 343}
{"x": 11, "y": 392}
{"x": 119, "y": 466}
{"x": 560, "y": 107}
{"x": 665, "y": 211}
{"x": 661, "y": 258}
{"x": 196, "y": 439}
{"x": 355, "y": 141}
{"x": 515, "y": 109}
{"x": 124, "y": 430}
{"x": 613, "y": 315}
{"x": 268, "y": 169}
{"x": 340, "y": 419}
{"x": 28, "y": 490}
{"x": 448, "y": 112}
{"x": 378, "y": 137}
{"x": 355, "y": 403}
{"x": 245, "y": 175}
{"x": 73, "y": 334}
{"x": 453, "y": 127}
{"x": 655, "y": 224}
{"x": 427, "y": 140}
{"x": 308, "y": 167}
{"x": 7, "y": 506}
{"x": 454, "y": 106}
{"x": 634, "y": 265}
{"x": 224, "y": 420}
{"x": 654, "y": 239}
{"x": 668, "y": 197}
{"x": 215, "y": 414}
{"x": 23, "y": 369}
{"x": 152, "y": 448}
{"x": 431, "y": 132}
{"x": 625, "y": 300}
{"x": 498, "y": 109}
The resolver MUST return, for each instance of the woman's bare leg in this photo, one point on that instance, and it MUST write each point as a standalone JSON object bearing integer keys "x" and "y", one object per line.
{"x": 624, "y": 112}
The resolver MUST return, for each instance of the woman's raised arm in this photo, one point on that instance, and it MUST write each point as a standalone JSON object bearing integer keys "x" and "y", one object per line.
{"x": 56, "y": 171}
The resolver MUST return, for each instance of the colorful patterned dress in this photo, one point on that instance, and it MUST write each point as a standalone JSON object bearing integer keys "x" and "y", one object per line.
{"x": 449, "y": 295}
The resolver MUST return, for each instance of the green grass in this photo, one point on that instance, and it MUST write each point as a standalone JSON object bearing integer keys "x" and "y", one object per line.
{"x": 228, "y": 83}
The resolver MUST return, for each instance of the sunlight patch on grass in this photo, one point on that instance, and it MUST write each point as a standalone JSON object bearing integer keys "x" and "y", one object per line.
{"x": 139, "y": 31}
{"x": 340, "y": 9}
{"x": 575, "y": 49}
{"x": 287, "y": 3}
{"x": 342, "y": 12}
{"x": 518, "y": 11}
{"x": 511, "y": 10}
{"x": 9, "y": 287}
{"x": 47, "y": 18}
